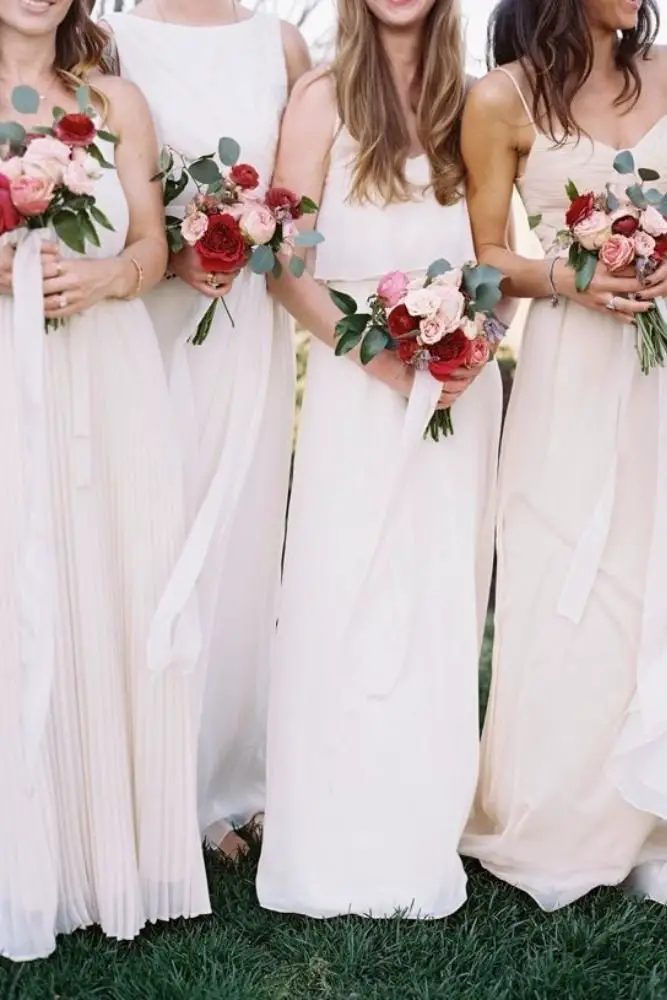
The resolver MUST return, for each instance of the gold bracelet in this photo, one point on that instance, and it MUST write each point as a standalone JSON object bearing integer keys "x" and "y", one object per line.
{"x": 140, "y": 279}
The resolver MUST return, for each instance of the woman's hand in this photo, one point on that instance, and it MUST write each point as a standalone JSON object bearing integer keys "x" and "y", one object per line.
{"x": 607, "y": 293}
{"x": 50, "y": 252}
{"x": 186, "y": 266}
{"x": 456, "y": 385}
{"x": 72, "y": 286}
{"x": 655, "y": 287}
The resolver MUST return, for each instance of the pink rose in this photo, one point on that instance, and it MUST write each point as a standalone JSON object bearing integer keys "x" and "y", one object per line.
{"x": 392, "y": 288}
{"x": 46, "y": 156}
{"x": 452, "y": 277}
{"x": 451, "y": 308}
{"x": 479, "y": 352}
{"x": 593, "y": 231}
{"x": 77, "y": 179}
{"x": 258, "y": 224}
{"x": 32, "y": 195}
{"x": 473, "y": 328}
{"x": 644, "y": 244}
{"x": 652, "y": 222}
{"x": 12, "y": 168}
{"x": 193, "y": 227}
{"x": 617, "y": 252}
{"x": 431, "y": 329}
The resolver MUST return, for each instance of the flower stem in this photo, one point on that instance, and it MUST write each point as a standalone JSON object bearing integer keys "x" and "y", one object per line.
{"x": 440, "y": 425}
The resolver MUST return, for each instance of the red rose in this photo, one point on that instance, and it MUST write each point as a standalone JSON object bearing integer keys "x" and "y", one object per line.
{"x": 580, "y": 209}
{"x": 406, "y": 350}
{"x": 10, "y": 218}
{"x": 660, "y": 252}
{"x": 222, "y": 249}
{"x": 282, "y": 199}
{"x": 75, "y": 130}
{"x": 625, "y": 226}
{"x": 400, "y": 322}
{"x": 245, "y": 176}
{"x": 452, "y": 352}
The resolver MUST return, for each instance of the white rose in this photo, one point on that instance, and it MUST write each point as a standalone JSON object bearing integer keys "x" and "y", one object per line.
{"x": 593, "y": 231}
{"x": 423, "y": 302}
{"x": 452, "y": 306}
{"x": 652, "y": 222}
{"x": 452, "y": 277}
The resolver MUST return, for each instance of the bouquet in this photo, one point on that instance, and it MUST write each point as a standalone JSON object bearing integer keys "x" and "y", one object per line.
{"x": 227, "y": 222}
{"x": 623, "y": 230}
{"x": 47, "y": 176}
{"x": 438, "y": 323}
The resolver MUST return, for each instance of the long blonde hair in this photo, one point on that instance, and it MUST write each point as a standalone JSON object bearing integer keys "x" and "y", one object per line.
{"x": 369, "y": 106}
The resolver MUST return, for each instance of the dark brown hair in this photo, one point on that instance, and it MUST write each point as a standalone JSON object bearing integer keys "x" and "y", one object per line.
{"x": 370, "y": 109}
{"x": 80, "y": 42}
{"x": 552, "y": 41}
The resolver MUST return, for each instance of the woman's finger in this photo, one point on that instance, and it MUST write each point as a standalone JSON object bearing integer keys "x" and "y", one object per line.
{"x": 58, "y": 283}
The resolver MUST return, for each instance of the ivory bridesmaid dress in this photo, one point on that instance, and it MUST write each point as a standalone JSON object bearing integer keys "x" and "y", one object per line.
{"x": 373, "y": 725}
{"x": 98, "y": 741}
{"x": 233, "y": 396}
{"x": 574, "y": 763}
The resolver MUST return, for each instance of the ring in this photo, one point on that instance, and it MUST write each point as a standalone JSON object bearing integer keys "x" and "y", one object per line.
{"x": 213, "y": 281}
{"x": 611, "y": 303}
{"x": 62, "y": 301}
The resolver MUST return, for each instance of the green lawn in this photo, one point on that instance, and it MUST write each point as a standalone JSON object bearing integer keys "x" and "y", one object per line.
{"x": 500, "y": 947}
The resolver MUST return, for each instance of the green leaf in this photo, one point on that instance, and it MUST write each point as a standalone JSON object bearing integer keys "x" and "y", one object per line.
{"x": 374, "y": 342}
{"x": 68, "y": 227}
{"x": 88, "y": 230}
{"x": 175, "y": 240}
{"x": 100, "y": 218}
{"x": 83, "y": 99}
{"x": 636, "y": 195}
{"x": 662, "y": 207}
{"x": 108, "y": 137}
{"x": 345, "y": 303}
{"x": 347, "y": 339}
{"x": 262, "y": 260}
{"x": 647, "y": 174}
{"x": 277, "y": 270}
{"x": 487, "y": 297}
{"x": 12, "y": 132}
{"x": 228, "y": 151}
{"x": 534, "y": 221}
{"x": 585, "y": 271}
{"x": 357, "y": 323}
{"x": 308, "y": 206}
{"x": 205, "y": 171}
{"x": 613, "y": 203}
{"x": 571, "y": 190}
{"x": 653, "y": 196}
{"x": 96, "y": 152}
{"x": 41, "y": 130}
{"x": 624, "y": 162}
{"x": 166, "y": 160}
{"x": 438, "y": 267}
{"x": 296, "y": 266}
{"x": 308, "y": 238}
{"x": 25, "y": 100}
{"x": 480, "y": 274}
{"x": 573, "y": 257}
{"x": 174, "y": 186}
{"x": 58, "y": 113}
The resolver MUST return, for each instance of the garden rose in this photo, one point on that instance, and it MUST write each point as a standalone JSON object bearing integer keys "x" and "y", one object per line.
{"x": 10, "y": 218}
{"x": 432, "y": 329}
{"x": 32, "y": 195}
{"x": 400, "y": 323}
{"x": 46, "y": 157}
{"x": 451, "y": 308}
{"x": 480, "y": 352}
{"x": 451, "y": 353}
{"x": 258, "y": 224}
{"x": 88, "y": 162}
{"x": 452, "y": 277}
{"x": 407, "y": 349}
{"x": 652, "y": 222}
{"x": 644, "y": 244}
{"x": 581, "y": 208}
{"x": 473, "y": 327}
{"x": 617, "y": 252}
{"x": 593, "y": 231}
{"x": 284, "y": 202}
{"x": 222, "y": 249}
{"x": 76, "y": 130}
{"x": 392, "y": 288}
{"x": 245, "y": 176}
{"x": 660, "y": 252}
{"x": 422, "y": 302}
{"x": 625, "y": 225}
{"x": 12, "y": 168}
{"x": 77, "y": 179}
{"x": 193, "y": 227}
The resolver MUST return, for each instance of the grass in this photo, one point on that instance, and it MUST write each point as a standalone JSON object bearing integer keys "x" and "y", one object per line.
{"x": 499, "y": 947}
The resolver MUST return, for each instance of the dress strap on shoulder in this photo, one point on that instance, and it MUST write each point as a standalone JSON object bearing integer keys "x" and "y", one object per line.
{"x": 522, "y": 96}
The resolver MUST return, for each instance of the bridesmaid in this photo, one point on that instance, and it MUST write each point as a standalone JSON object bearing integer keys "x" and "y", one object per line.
{"x": 210, "y": 68}
{"x": 373, "y": 706}
{"x": 98, "y": 823}
{"x": 575, "y": 744}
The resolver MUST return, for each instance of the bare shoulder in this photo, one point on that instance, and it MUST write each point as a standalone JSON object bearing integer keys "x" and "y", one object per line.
{"x": 127, "y": 104}
{"x": 496, "y": 94}
{"x": 315, "y": 95}
{"x": 148, "y": 9}
{"x": 297, "y": 56}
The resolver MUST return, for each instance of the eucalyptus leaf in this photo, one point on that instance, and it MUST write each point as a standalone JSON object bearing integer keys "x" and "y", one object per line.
{"x": 308, "y": 238}
{"x": 347, "y": 340}
{"x": 571, "y": 190}
{"x": 624, "y": 162}
{"x": 277, "y": 271}
{"x": 228, "y": 151}
{"x": 308, "y": 206}
{"x": 647, "y": 174}
{"x": 345, "y": 303}
{"x": 662, "y": 207}
{"x": 534, "y": 221}
{"x": 58, "y": 113}
{"x": 296, "y": 266}
{"x": 25, "y": 100}
{"x": 487, "y": 296}
{"x": 480, "y": 274}
{"x": 68, "y": 227}
{"x": 83, "y": 99}
{"x": 174, "y": 186}
{"x": 653, "y": 196}
{"x": 438, "y": 267}
{"x": 262, "y": 260}
{"x": 373, "y": 343}
{"x": 613, "y": 203}
{"x": 12, "y": 132}
{"x": 100, "y": 218}
{"x": 204, "y": 171}
{"x": 109, "y": 137}
{"x": 636, "y": 195}
{"x": 586, "y": 271}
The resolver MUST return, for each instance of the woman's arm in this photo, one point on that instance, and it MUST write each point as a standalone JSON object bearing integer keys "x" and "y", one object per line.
{"x": 493, "y": 139}
{"x": 81, "y": 283}
{"x": 297, "y": 56}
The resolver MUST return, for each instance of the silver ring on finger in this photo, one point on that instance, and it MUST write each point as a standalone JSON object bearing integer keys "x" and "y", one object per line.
{"x": 63, "y": 301}
{"x": 611, "y": 303}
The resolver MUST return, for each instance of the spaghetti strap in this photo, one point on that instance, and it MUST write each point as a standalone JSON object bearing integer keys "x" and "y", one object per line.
{"x": 522, "y": 97}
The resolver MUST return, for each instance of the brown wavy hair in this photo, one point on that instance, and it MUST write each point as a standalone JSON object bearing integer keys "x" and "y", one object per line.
{"x": 80, "y": 42}
{"x": 369, "y": 106}
{"x": 552, "y": 41}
